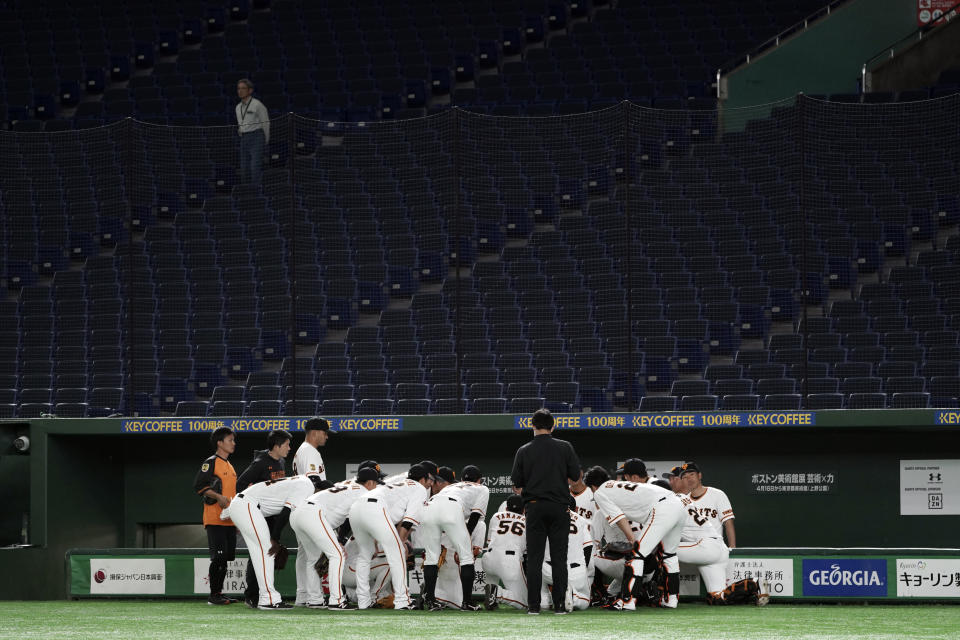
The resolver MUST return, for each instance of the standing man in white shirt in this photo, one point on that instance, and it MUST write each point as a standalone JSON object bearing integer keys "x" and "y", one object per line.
{"x": 253, "y": 126}
{"x": 308, "y": 461}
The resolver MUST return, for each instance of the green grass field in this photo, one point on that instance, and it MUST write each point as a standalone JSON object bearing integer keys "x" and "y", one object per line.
{"x": 194, "y": 619}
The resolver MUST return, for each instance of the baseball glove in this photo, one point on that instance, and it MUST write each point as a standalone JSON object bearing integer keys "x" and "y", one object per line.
{"x": 322, "y": 565}
{"x": 280, "y": 555}
{"x": 617, "y": 550}
{"x": 216, "y": 485}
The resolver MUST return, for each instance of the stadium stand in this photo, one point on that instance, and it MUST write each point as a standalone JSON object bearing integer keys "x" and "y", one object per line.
{"x": 800, "y": 254}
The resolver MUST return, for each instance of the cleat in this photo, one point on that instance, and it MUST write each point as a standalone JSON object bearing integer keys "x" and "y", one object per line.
{"x": 533, "y": 612}
{"x": 490, "y": 597}
{"x": 218, "y": 599}
{"x": 300, "y": 603}
{"x": 343, "y": 606}
{"x": 315, "y": 605}
{"x": 280, "y": 606}
{"x": 623, "y": 605}
{"x": 763, "y": 598}
{"x": 669, "y": 602}
{"x": 469, "y": 606}
{"x": 409, "y": 607}
{"x": 250, "y": 603}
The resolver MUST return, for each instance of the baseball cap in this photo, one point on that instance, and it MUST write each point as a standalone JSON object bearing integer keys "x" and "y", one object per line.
{"x": 673, "y": 473}
{"x": 515, "y": 504}
{"x": 688, "y": 467}
{"x": 446, "y": 473}
{"x": 430, "y": 466}
{"x": 372, "y": 464}
{"x": 368, "y": 473}
{"x": 317, "y": 424}
{"x": 417, "y": 472}
{"x": 633, "y": 466}
{"x": 471, "y": 473}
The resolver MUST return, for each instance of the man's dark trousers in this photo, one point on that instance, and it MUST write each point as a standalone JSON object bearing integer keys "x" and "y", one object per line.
{"x": 546, "y": 521}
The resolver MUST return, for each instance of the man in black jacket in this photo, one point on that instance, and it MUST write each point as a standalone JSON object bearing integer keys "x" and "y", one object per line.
{"x": 542, "y": 471}
{"x": 268, "y": 464}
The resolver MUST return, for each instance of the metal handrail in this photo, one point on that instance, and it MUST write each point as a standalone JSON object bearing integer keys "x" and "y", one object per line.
{"x": 891, "y": 50}
{"x": 775, "y": 41}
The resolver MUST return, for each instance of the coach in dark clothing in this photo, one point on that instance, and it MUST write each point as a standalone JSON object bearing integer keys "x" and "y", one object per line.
{"x": 541, "y": 469}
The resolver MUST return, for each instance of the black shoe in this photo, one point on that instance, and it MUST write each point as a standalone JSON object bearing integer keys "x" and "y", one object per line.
{"x": 560, "y": 612}
{"x": 490, "y": 597}
{"x": 218, "y": 599}
{"x": 409, "y": 607}
{"x": 279, "y": 606}
{"x": 250, "y": 603}
{"x": 469, "y": 606}
{"x": 343, "y": 606}
{"x": 431, "y": 604}
{"x": 533, "y": 612}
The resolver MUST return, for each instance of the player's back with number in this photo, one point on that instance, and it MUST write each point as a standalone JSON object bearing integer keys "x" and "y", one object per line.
{"x": 274, "y": 495}
{"x": 336, "y": 501}
{"x": 473, "y": 497}
{"x": 506, "y": 532}
{"x": 402, "y": 499}
{"x": 633, "y": 500}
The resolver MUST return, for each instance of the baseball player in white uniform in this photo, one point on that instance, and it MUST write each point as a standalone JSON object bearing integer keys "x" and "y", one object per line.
{"x": 315, "y": 523}
{"x": 710, "y": 503}
{"x": 701, "y": 546}
{"x": 308, "y": 461}
{"x": 248, "y": 511}
{"x": 381, "y": 588}
{"x": 449, "y": 585}
{"x": 661, "y": 513}
{"x": 455, "y": 510}
{"x": 604, "y": 532}
{"x": 503, "y": 558}
{"x": 580, "y": 547}
{"x": 385, "y": 516}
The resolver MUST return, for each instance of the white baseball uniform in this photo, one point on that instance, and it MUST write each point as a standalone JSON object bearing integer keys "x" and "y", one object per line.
{"x": 315, "y": 524}
{"x": 702, "y": 547}
{"x": 714, "y": 506}
{"x": 604, "y": 532}
{"x": 374, "y": 519}
{"x": 578, "y": 586}
{"x": 249, "y": 510}
{"x": 503, "y": 560}
{"x": 307, "y": 461}
{"x": 379, "y": 582}
{"x": 449, "y": 591}
{"x": 661, "y": 513}
{"x": 447, "y": 512}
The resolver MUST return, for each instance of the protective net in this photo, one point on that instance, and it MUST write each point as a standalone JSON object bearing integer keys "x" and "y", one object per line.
{"x": 793, "y": 255}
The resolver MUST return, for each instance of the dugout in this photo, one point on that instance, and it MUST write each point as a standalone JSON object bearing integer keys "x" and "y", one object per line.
{"x": 106, "y": 483}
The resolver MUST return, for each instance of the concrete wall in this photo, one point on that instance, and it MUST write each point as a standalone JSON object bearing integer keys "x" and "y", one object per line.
{"x": 919, "y": 64}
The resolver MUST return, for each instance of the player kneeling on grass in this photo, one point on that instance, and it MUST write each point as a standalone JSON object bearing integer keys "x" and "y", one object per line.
{"x": 503, "y": 557}
{"x": 249, "y": 511}
{"x": 578, "y": 583}
{"x": 315, "y": 522}
{"x": 662, "y": 515}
